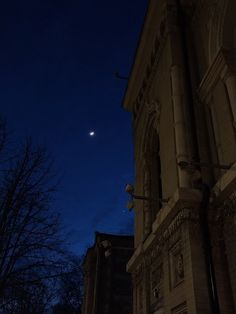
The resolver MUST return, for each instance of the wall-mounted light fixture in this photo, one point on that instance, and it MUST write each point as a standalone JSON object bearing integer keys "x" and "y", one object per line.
{"x": 107, "y": 247}
{"x": 121, "y": 77}
{"x": 130, "y": 190}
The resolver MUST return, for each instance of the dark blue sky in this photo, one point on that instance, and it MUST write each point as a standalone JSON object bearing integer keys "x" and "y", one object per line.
{"x": 57, "y": 60}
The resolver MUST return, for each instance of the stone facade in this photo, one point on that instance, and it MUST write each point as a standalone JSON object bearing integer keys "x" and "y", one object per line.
{"x": 182, "y": 96}
{"x": 108, "y": 287}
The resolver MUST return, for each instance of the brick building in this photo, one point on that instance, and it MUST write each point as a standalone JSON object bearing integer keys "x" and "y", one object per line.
{"x": 108, "y": 286}
{"x": 182, "y": 96}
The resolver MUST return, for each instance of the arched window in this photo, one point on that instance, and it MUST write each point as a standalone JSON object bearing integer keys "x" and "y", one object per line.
{"x": 152, "y": 185}
{"x": 152, "y": 177}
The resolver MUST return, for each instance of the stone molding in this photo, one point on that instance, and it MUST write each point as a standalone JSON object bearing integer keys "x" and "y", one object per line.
{"x": 138, "y": 262}
{"x": 176, "y": 263}
{"x": 182, "y": 198}
{"x": 151, "y": 68}
{"x": 224, "y": 187}
{"x": 152, "y": 106}
{"x": 180, "y": 208}
{"x": 186, "y": 214}
{"x": 223, "y": 65}
{"x": 141, "y": 262}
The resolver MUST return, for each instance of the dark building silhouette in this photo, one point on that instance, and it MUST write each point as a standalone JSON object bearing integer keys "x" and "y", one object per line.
{"x": 108, "y": 287}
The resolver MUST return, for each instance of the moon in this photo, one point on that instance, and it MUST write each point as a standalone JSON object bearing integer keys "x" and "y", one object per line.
{"x": 91, "y": 133}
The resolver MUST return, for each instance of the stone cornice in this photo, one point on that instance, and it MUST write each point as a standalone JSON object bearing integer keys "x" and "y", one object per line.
{"x": 150, "y": 68}
{"x": 139, "y": 259}
{"x": 224, "y": 187}
{"x": 181, "y": 207}
{"x": 182, "y": 198}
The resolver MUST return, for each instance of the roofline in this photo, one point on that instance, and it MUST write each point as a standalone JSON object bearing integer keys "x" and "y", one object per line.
{"x": 135, "y": 55}
{"x": 97, "y": 233}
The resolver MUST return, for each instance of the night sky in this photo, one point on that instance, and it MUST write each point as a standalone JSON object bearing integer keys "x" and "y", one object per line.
{"x": 57, "y": 60}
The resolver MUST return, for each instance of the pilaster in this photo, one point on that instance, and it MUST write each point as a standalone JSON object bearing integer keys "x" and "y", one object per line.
{"x": 223, "y": 68}
{"x": 179, "y": 123}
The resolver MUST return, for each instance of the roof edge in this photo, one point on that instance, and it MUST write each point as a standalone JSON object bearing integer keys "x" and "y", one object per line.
{"x": 125, "y": 101}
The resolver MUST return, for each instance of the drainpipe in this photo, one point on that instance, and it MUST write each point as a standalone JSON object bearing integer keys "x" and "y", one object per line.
{"x": 203, "y": 215}
{"x": 203, "y": 210}
{"x": 188, "y": 77}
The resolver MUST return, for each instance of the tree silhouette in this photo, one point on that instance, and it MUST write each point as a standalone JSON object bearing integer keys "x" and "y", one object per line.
{"x": 31, "y": 250}
{"x": 71, "y": 288}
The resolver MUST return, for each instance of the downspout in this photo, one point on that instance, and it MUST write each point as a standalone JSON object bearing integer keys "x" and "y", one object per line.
{"x": 203, "y": 216}
{"x": 187, "y": 71}
{"x": 203, "y": 210}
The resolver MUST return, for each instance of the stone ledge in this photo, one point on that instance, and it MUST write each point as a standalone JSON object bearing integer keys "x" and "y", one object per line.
{"x": 180, "y": 207}
{"x": 182, "y": 198}
{"x": 225, "y": 186}
{"x": 134, "y": 258}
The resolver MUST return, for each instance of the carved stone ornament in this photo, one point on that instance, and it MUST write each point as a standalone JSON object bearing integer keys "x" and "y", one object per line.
{"x": 180, "y": 266}
{"x": 183, "y": 215}
{"x": 154, "y": 108}
{"x": 156, "y": 251}
{"x": 152, "y": 255}
{"x": 176, "y": 263}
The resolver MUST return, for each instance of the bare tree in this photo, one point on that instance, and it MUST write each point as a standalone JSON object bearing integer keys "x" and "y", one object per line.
{"x": 31, "y": 253}
{"x": 30, "y": 298}
{"x": 70, "y": 291}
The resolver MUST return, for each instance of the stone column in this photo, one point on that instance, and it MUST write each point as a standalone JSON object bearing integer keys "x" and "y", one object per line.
{"x": 179, "y": 123}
